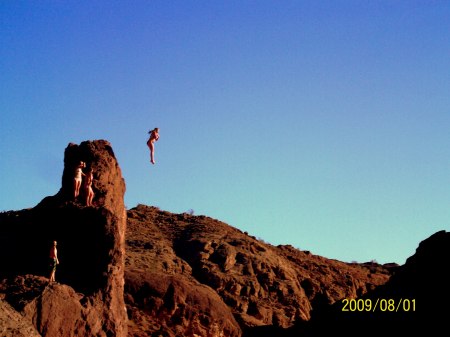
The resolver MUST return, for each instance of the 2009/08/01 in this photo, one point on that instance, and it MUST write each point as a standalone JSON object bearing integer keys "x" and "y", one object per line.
{"x": 380, "y": 304}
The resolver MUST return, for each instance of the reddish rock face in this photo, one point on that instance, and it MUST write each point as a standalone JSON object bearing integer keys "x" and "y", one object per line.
{"x": 90, "y": 247}
{"x": 259, "y": 284}
{"x": 176, "y": 305}
{"x": 189, "y": 275}
{"x": 13, "y": 324}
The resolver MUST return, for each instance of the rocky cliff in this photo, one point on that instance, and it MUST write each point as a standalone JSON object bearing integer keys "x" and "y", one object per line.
{"x": 242, "y": 286}
{"x": 186, "y": 274}
{"x": 148, "y": 272}
{"x": 88, "y": 298}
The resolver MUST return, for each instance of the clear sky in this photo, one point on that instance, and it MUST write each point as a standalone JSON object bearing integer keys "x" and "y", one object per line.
{"x": 320, "y": 124}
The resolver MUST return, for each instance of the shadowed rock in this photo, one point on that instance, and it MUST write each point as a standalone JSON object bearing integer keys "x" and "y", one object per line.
{"x": 89, "y": 301}
{"x": 414, "y": 299}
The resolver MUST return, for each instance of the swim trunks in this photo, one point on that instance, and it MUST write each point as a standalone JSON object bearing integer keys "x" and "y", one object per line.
{"x": 52, "y": 264}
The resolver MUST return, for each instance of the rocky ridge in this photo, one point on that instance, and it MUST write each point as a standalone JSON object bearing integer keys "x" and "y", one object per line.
{"x": 257, "y": 283}
{"x": 186, "y": 275}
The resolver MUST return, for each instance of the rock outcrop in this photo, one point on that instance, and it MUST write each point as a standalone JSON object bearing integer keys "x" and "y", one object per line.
{"x": 176, "y": 305}
{"x": 424, "y": 277}
{"x": 91, "y": 247}
{"x": 259, "y": 284}
{"x": 186, "y": 275}
{"x": 161, "y": 294}
{"x": 13, "y": 324}
{"x": 420, "y": 287}
{"x": 414, "y": 299}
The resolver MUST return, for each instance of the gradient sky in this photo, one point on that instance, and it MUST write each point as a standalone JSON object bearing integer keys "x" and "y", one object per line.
{"x": 320, "y": 124}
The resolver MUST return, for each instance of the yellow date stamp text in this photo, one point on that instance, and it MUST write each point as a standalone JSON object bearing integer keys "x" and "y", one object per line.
{"x": 379, "y": 304}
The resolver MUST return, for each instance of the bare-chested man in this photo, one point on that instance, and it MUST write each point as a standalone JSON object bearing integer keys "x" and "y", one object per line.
{"x": 53, "y": 256}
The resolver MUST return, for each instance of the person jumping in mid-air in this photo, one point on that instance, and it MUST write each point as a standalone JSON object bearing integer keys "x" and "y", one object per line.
{"x": 154, "y": 136}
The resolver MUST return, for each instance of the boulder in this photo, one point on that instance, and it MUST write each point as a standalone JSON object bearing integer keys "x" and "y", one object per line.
{"x": 176, "y": 306}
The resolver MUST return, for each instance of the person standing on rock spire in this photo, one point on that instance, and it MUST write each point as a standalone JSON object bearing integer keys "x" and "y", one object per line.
{"x": 78, "y": 178}
{"x": 154, "y": 136}
{"x": 53, "y": 261}
{"x": 89, "y": 193}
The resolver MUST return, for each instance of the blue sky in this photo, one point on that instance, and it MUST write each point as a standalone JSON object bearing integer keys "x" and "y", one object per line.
{"x": 320, "y": 124}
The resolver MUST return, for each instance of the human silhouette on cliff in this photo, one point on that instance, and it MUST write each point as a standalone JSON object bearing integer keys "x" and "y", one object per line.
{"x": 53, "y": 261}
{"x": 154, "y": 136}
